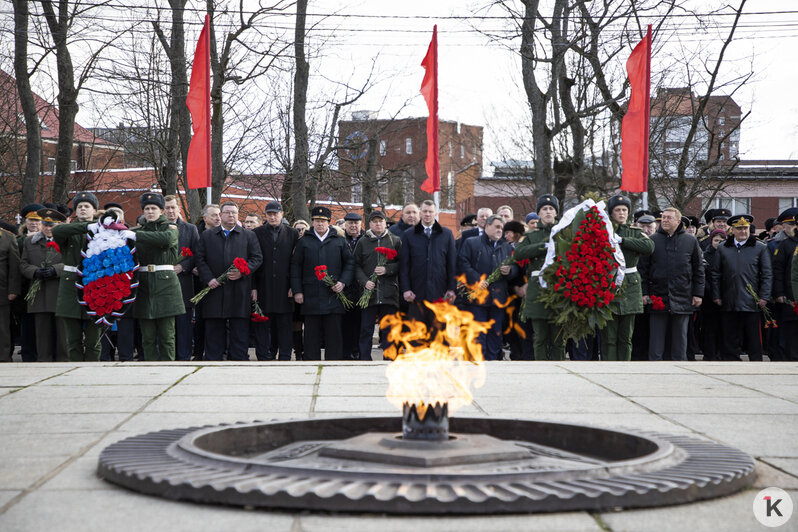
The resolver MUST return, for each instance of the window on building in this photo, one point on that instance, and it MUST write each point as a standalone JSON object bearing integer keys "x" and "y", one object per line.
{"x": 383, "y": 148}
{"x": 721, "y": 120}
{"x": 475, "y": 153}
{"x": 382, "y": 185}
{"x": 409, "y": 146}
{"x": 451, "y": 149}
{"x": 462, "y": 151}
{"x": 735, "y": 205}
{"x": 786, "y": 203}
{"x": 450, "y": 191}
{"x": 357, "y": 191}
{"x": 73, "y": 165}
{"x": 50, "y": 165}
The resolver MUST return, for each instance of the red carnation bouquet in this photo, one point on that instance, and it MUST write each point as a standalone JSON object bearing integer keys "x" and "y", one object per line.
{"x": 580, "y": 281}
{"x": 657, "y": 303}
{"x": 383, "y": 256}
{"x": 238, "y": 264}
{"x": 475, "y": 291}
{"x": 322, "y": 275}
{"x": 107, "y": 294}
{"x": 769, "y": 320}
{"x": 257, "y": 315}
{"x": 52, "y": 251}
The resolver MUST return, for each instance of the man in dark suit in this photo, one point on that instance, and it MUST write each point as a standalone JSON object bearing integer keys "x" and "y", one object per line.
{"x": 427, "y": 264}
{"x": 229, "y": 303}
{"x": 482, "y": 215}
{"x": 188, "y": 237}
{"x": 321, "y": 307}
{"x": 273, "y": 281}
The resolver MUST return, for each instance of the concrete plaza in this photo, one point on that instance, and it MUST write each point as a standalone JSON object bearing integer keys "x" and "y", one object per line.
{"x": 55, "y": 419}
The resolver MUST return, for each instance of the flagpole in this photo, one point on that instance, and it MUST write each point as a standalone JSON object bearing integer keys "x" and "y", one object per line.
{"x": 209, "y": 173}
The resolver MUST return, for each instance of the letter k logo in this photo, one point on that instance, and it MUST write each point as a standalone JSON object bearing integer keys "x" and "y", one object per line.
{"x": 772, "y": 506}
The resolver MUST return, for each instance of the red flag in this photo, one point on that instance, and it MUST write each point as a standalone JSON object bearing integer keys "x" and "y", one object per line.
{"x": 429, "y": 89}
{"x": 198, "y": 165}
{"x": 635, "y": 126}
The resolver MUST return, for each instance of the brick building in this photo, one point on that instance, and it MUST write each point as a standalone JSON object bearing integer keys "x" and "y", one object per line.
{"x": 398, "y": 162}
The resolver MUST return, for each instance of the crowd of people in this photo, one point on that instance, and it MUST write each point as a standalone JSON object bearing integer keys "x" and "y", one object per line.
{"x": 717, "y": 289}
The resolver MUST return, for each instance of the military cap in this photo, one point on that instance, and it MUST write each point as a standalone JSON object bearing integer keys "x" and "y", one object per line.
{"x": 641, "y": 212}
{"x": 274, "y": 206}
{"x": 152, "y": 198}
{"x": 321, "y": 213}
{"x": 532, "y": 216}
{"x": 64, "y": 209}
{"x": 112, "y": 204}
{"x": 352, "y": 217}
{"x": 30, "y": 212}
{"x": 376, "y": 214}
{"x": 788, "y": 215}
{"x": 548, "y": 199}
{"x": 48, "y": 205}
{"x": 8, "y": 227}
{"x": 617, "y": 200}
{"x": 51, "y": 216}
{"x": 740, "y": 220}
{"x": 721, "y": 214}
{"x": 469, "y": 220}
{"x": 515, "y": 226}
{"x": 708, "y": 215}
{"x": 685, "y": 221}
{"x": 694, "y": 221}
{"x": 646, "y": 219}
{"x": 657, "y": 214}
{"x": 87, "y": 197}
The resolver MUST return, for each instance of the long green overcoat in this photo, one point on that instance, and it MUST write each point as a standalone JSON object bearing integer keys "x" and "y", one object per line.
{"x": 34, "y": 255}
{"x": 533, "y": 247}
{"x": 70, "y": 238}
{"x": 629, "y": 299}
{"x": 159, "y": 294}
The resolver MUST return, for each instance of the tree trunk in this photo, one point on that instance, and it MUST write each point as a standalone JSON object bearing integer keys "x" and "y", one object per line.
{"x": 33, "y": 134}
{"x": 301, "y": 74}
{"x": 370, "y": 179}
{"x": 67, "y": 98}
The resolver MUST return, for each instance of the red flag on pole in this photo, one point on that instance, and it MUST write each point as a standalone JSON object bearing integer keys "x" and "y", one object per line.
{"x": 429, "y": 89}
{"x": 198, "y": 165}
{"x": 635, "y": 125}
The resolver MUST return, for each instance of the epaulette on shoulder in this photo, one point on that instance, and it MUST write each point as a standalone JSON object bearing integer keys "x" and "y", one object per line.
{"x": 703, "y": 238}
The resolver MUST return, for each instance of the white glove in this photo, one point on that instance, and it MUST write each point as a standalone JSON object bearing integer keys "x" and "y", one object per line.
{"x": 94, "y": 227}
{"x": 128, "y": 234}
{"x": 620, "y": 238}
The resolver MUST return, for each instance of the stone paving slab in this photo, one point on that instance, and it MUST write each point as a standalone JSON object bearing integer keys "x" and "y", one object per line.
{"x": 62, "y": 416}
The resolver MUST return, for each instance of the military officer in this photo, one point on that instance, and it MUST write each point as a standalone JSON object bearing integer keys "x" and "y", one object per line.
{"x": 717, "y": 221}
{"x": 45, "y": 265}
{"x": 31, "y": 223}
{"x": 549, "y": 338}
{"x": 10, "y": 288}
{"x": 82, "y": 334}
{"x": 616, "y": 337}
{"x": 159, "y": 298}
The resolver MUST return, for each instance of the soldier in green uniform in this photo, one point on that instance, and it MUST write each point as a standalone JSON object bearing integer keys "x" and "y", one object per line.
{"x": 616, "y": 337}
{"x": 159, "y": 298}
{"x": 10, "y": 288}
{"x": 82, "y": 334}
{"x": 549, "y": 338}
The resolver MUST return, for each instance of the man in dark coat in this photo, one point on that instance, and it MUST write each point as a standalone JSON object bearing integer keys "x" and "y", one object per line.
{"x": 480, "y": 256}
{"x": 210, "y": 219}
{"x": 674, "y": 272}
{"x": 321, "y": 306}
{"x": 273, "y": 280}
{"x": 188, "y": 237}
{"x": 482, "y": 216}
{"x": 427, "y": 264}
{"x": 384, "y": 298}
{"x": 230, "y": 302}
{"x": 353, "y": 229}
{"x": 409, "y": 219}
{"x": 742, "y": 269}
{"x": 783, "y": 259}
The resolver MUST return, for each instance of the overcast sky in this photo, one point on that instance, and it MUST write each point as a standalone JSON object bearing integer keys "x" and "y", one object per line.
{"x": 480, "y": 82}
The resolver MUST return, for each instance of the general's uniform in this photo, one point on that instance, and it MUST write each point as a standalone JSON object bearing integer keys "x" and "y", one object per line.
{"x": 50, "y": 336}
{"x": 9, "y": 285}
{"x": 616, "y": 337}
{"x": 159, "y": 298}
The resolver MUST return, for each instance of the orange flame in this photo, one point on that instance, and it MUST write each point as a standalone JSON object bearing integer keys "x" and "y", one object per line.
{"x": 474, "y": 292}
{"x": 442, "y": 365}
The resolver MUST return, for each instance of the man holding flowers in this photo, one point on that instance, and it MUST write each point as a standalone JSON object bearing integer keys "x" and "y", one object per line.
{"x": 159, "y": 297}
{"x": 377, "y": 271}
{"x": 321, "y": 253}
{"x": 616, "y": 337}
{"x": 229, "y": 302}
{"x": 479, "y": 258}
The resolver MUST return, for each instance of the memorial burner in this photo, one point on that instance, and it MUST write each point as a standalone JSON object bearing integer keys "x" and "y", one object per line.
{"x": 426, "y": 462}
